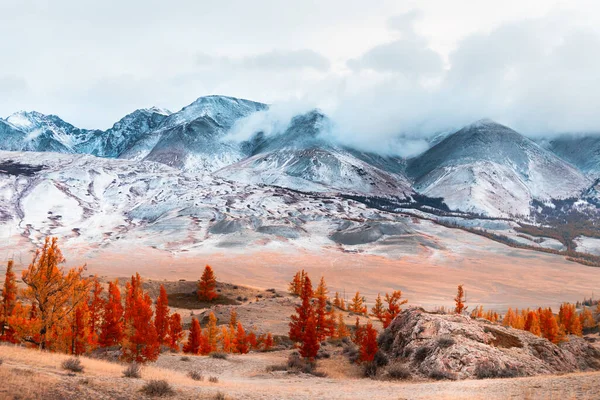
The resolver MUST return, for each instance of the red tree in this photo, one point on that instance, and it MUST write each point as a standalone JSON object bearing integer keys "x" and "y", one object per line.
{"x": 175, "y": 331}
{"x": 140, "y": 342}
{"x": 303, "y": 312}
{"x": 241, "y": 340}
{"x": 324, "y": 321}
{"x": 460, "y": 300}
{"x": 111, "y": 330}
{"x": 96, "y": 307}
{"x": 9, "y": 300}
{"x": 207, "y": 285}
{"x": 368, "y": 343}
{"x": 195, "y": 339}
{"x": 310, "y": 342}
{"x": 161, "y": 319}
{"x": 394, "y": 303}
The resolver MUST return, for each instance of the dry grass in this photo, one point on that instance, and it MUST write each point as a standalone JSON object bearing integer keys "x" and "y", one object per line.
{"x": 92, "y": 367}
{"x": 338, "y": 367}
{"x": 24, "y": 384}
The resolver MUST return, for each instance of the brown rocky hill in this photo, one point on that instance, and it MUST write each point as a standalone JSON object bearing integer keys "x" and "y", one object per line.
{"x": 457, "y": 347}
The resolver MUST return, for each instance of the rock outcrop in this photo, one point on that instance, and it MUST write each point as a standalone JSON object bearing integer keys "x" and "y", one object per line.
{"x": 458, "y": 347}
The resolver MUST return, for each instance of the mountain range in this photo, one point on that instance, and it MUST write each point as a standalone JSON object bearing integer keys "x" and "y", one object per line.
{"x": 484, "y": 168}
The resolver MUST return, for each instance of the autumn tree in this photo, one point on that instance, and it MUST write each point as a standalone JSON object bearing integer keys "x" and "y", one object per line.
{"x": 212, "y": 332}
{"x": 111, "y": 329}
{"x": 549, "y": 326}
{"x": 368, "y": 343}
{"x": 96, "y": 307}
{"x": 241, "y": 340}
{"x": 532, "y": 323}
{"x": 310, "y": 342}
{"x": 586, "y": 318}
{"x": 377, "y": 310}
{"x": 9, "y": 300}
{"x": 81, "y": 332}
{"x": 54, "y": 292}
{"x": 207, "y": 285}
{"x": 295, "y": 286}
{"x": 325, "y": 324}
{"x": 161, "y": 319}
{"x": 233, "y": 318}
{"x": 195, "y": 338}
{"x": 569, "y": 320}
{"x": 267, "y": 343}
{"x": 175, "y": 331}
{"x": 226, "y": 340}
{"x": 357, "y": 304}
{"x": 140, "y": 341}
{"x": 341, "y": 330}
{"x": 460, "y": 300}
{"x": 303, "y": 312}
{"x": 394, "y": 302}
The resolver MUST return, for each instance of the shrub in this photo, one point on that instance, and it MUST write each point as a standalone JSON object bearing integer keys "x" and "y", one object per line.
{"x": 298, "y": 364}
{"x": 370, "y": 369}
{"x": 213, "y": 379}
{"x": 487, "y": 369}
{"x": 196, "y": 375}
{"x": 385, "y": 340}
{"x": 271, "y": 290}
{"x": 219, "y": 396}
{"x": 239, "y": 298}
{"x": 380, "y": 359}
{"x": 235, "y": 287}
{"x": 132, "y": 371}
{"x": 157, "y": 388}
{"x": 1, "y": 361}
{"x": 219, "y": 355}
{"x": 398, "y": 371}
{"x": 446, "y": 341}
{"x": 421, "y": 354}
{"x": 73, "y": 365}
{"x": 351, "y": 351}
{"x": 277, "y": 367}
{"x": 323, "y": 354}
{"x": 185, "y": 358}
{"x": 439, "y": 375}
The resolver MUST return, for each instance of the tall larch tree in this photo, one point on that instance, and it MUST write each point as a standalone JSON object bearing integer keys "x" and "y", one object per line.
{"x": 207, "y": 285}
{"x": 310, "y": 342}
{"x": 460, "y": 300}
{"x": 195, "y": 339}
{"x": 303, "y": 312}
{"x": 569, "y": 320}
{"x": 161, "y": 319}
{"x": 212, "y": 332}
{"x": 241, "y": 340}
{"x": 357, "y": 304}
{"x": 341, "y": 330}
{"x": 111, "y": 329}
{"x": 175, "y": 331}
{"x": 368, "y": 343}
{"x": 586, "y": 319}
{"x": 9, "y": 300}
{"x": 337, "y": 301}
{"x": 226, "y": 340}
{"x": 96, "y": 307}
{"x": 532, "y": 323}
{"x": 140, "y": 341}
{"x": 549, "y": 326}
{"x": 394, "y": 303}
{"x": 325, "y": 324}
{"x": 81, "y": 333}
{"x": 297, "y": 283}
{"x": 54, "y": 292}
{"x": 377, "y": 310}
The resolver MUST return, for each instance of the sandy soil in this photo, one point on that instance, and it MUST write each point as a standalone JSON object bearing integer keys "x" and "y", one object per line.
{"x": 244, "y": 377}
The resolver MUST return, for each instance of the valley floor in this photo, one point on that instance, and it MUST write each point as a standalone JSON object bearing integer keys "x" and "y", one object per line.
{"x": 29, "y": 374}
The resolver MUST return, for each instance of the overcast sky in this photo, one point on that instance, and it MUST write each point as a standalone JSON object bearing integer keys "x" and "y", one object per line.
{"x": 379, "y": 68}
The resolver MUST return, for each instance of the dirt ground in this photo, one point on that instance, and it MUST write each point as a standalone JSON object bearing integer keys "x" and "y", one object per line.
{"x": 29, "y": 374}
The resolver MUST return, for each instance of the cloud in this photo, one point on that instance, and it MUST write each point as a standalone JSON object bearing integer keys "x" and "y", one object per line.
{"x": 277, "y": 60}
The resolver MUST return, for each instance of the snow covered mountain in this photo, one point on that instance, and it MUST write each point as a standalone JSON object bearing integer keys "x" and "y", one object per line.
{"x": 581, "y": 150}
{"x": 302, "y": 158}
{"x": 193, "y": 139}
{"x": 491, "y": 169}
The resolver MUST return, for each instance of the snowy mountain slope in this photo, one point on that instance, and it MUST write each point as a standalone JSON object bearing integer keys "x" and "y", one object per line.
{"x": 11, "y": 138}
{"x": 491, "y": 169}
{"x": 581, "y": 150}
{"x": 95, "y": 202}
{"x": 300, "y": 158}
{"x": 192, "y": 139}
{"x": 121, "y": 136}
{"x": 47, "y": 132}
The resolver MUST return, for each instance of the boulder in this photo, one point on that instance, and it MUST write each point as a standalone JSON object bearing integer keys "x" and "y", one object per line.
{"x": 450, "y": 346}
